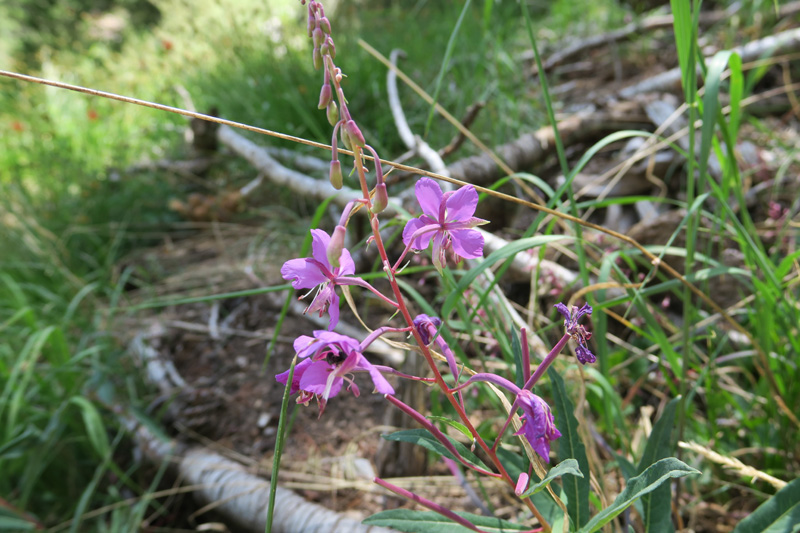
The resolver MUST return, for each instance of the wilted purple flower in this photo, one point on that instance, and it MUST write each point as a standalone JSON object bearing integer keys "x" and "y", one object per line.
{"x": 538, "y": 425}
{"x": 577, "y": 331}
{"x": 427, "y": 327}
{"x": 447, "y": 221}
{"x": 316, "y": 271}
{"x": 328, "y": 359}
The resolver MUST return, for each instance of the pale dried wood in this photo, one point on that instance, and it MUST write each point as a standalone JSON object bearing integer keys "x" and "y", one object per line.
{"x": 532, "y": 148}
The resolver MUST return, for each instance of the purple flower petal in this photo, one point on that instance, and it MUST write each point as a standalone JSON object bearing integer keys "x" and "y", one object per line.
{"x": 304, "y": 273}
{"x": 422, "y": 240}
{"x": 317, "y": 379}
{"x": 319, "y": 247}
{"x": 381, "y": 385}
{"x": 429, "y": 196}
{"x": 346, "y": 265}
{"x": 333, "y": 310}
{"x": 299, "y": 370}
{"x": 585, "y": 355}
{"x": 468, "y": 243}
{"x": 301, "y": 345}
{"x": 462, "y": 204}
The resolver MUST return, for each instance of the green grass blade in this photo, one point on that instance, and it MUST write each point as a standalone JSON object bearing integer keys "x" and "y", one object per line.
{"x": 503, "y": 253}
{"x": 448, "y": 53}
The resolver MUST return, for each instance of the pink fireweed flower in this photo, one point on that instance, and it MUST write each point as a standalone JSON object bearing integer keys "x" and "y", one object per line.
{"x": 447, "y": 221}
{"x": 328, "y": 361}
{"x": 578, "y": 332}
{"x": 316, "y": 271}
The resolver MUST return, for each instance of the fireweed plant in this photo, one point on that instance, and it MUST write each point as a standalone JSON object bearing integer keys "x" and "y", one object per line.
{"x": 328, "y": 360}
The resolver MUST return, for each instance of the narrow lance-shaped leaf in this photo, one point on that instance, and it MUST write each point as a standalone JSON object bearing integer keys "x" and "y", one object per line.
{"x": 656, "y": 506}
{"x": 776, "y": 515}
{"x": 647, "y": 482}
{"x": 430, "y": 522}
{"x": 570, "y": 446}
{"x": 568, "y": 467}
{"x": 425, "y": 439}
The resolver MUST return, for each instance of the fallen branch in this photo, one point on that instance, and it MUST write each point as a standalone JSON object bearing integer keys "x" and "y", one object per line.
{"x": 783, "y": 42}
{"x": 654, "y": 22}
{"x": 532, "y": 148}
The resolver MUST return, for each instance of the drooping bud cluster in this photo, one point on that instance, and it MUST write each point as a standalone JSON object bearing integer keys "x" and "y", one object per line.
{"x": 332, "y": 100}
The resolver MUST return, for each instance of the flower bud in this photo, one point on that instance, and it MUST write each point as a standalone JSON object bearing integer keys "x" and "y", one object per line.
{"x": 325, "y": 25}
{"x": 336, "y": 177}
{"x": 333, "y": 113}
{"x": 381, "y": 198}
{"x": 522, "y": 484}
{"x": 336, "y": 245}
{"x": 325, "y": 96}
{"x": 345, "y": 139}
{"x": 318, "y": 37}
{"x": 312, "y": 23}
{"x": 328, "y": 47}
{"x": 317, "y": 58}
{"x": 352, "y": 131}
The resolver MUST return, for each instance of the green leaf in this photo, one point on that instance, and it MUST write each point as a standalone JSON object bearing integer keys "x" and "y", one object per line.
{"x": 431, "y": 522}
{"x": 8, "y": 523}
{"x": 425, "y": 438}
{"x": 95, "y": 429}
{"x": 458, "y": 426}
{"x": 642, "y": 484}
{"x": 656, "y": 506}
{"x": 569, "y": 466}
{"x": 781, "y": 513}
{"x": 570, "y": 446}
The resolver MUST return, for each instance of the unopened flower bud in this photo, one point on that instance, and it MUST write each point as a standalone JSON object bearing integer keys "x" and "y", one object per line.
{"x": 336, "y": 245}
{"x": 318, "y": 36}
{"x": 325, "y": 25}
{"x": 381, "y": 198}
{"x": 317, "y": 58}
{"x": 325, "y": 96}
{"x": 312, "y": 23}
{"x": 328, "y": 47}
{"x": 336, "y": 177}
{"x": 522, "y": 484}
{"x": 356, "y": 137}
{"x": 346, "y": 139}
{"x": 333, "y": 113}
